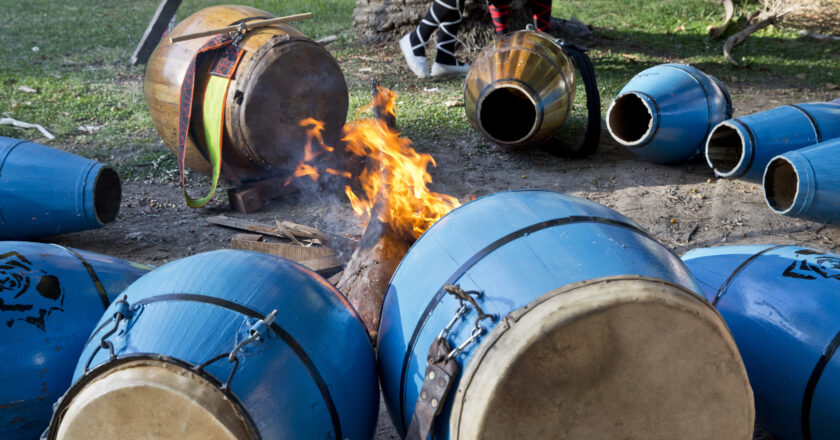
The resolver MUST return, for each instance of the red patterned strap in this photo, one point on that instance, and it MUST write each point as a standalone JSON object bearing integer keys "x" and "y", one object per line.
{"x": 227, "y": 58}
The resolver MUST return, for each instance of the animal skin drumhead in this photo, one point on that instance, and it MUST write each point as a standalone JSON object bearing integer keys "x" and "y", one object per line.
{"x": 616, "y": 358}
{"x": 151, "y": 400}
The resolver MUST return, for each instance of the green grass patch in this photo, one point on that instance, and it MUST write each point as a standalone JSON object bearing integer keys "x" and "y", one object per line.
{"x": 75, "y": 54}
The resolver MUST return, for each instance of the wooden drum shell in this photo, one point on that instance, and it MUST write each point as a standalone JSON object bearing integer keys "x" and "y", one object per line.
{"x": 271, "y": 66}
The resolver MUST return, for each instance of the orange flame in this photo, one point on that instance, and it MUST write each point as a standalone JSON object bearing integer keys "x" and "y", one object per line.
{"x": 313, "y": 132}
{"x": 395, "y": 181}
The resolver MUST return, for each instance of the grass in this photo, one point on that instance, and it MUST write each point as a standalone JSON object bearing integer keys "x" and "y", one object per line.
{"x": 81, "y": 73}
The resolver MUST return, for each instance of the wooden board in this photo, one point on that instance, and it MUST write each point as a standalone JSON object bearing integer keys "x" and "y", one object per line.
{"x": 154, "y": 32}
{"x": 300, "y": 231}
{"x": 290, "y": 251}
{"x": 324, "y": 265}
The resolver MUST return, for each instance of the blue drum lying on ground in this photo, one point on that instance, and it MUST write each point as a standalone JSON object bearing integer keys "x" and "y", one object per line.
{"x": 805, "y": 183}
{"x": 665, "y": 113}
{"x": 44, "y": 191}
{"x": 782, "y": 304}
{"x": 50, "y": 299}
{"x": 740, "y": 148}
{"x": 224, "y": 345}
{"x": 571, "y": 323}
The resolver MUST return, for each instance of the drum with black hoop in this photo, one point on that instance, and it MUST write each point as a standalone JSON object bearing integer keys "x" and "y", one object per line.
{"x": 224, "y": 345}
{"x": 532, "y": 314}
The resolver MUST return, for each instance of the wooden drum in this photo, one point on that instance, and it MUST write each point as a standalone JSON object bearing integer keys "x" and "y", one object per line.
{"x": 282, "y": 78}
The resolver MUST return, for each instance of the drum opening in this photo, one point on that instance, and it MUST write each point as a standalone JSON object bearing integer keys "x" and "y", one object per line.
{"x": 781, "y": 184}
{"x": 107, "y": 194}
{"x": 508, "y": 114}
{"x": 630, "y": 119}
{"x": 725, "y": 148}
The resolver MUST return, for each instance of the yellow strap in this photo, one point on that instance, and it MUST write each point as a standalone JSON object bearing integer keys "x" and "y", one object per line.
{"x": 213, "y": 116}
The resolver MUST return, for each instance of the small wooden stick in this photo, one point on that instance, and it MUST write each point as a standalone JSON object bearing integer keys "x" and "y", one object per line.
{"x": 247, "y": 26}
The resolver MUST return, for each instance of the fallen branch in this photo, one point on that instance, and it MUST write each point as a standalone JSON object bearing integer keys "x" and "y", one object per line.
{"x": 742, "y": 35}
{"x": 771, "y": 16}
{"x": 21, "y": 124}
{"x": 717, "y": 31}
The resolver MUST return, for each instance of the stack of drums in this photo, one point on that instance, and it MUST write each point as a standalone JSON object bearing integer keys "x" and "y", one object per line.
{"x": 50, "y": 299}
{"x": 598, "y": 330}
{"x": 224, "y": 345}
{"x": 282, "y": 78}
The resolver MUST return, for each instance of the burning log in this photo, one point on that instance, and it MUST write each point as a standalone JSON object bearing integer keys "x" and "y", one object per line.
{"x": 366, "y": 276}
{"x": 396, "y": 201}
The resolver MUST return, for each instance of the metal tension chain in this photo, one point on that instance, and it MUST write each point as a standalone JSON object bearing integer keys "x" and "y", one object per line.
{"x": 257, "y": 332}
{"x": 442, "y": 366}
{"x": 123, "y": 312}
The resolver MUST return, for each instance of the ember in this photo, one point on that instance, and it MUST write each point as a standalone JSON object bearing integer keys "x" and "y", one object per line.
{"x": 395, "y": 175}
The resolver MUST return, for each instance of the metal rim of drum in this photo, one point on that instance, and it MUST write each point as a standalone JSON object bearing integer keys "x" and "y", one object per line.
{"x": 491, "y": 403}
{"x": 102, "y": 394}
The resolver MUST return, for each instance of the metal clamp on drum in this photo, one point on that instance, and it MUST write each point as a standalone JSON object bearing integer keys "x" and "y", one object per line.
{"x": 442, "y": 368}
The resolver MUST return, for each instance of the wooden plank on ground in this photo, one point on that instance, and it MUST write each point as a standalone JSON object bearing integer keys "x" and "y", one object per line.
{"x": 300, "y": 231}
{"x": 324, "y": 264}
{"x": 290, "y": 251}
{"x": 154, "y": 32}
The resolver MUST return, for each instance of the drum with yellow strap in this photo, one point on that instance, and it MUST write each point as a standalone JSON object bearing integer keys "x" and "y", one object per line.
{"x": 249, "y": 115}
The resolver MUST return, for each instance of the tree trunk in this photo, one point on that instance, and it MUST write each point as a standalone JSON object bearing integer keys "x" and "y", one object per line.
{"x": 389, "y": 20}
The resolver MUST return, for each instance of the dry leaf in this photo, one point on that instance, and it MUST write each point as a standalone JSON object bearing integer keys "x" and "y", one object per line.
{"x": 27, "y": 89}
{"x": 450, "y": 104}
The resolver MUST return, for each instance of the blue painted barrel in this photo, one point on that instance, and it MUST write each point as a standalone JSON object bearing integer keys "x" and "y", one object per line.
{"x": 804, "y": 183}
{"x": 520, "y": 251}
{"x": 44, "y": 191}
{"x": 50, "y": 299}
{"x": 782, "y": 304}
{"x": 740, "y": 148}
{"x": 665, "y": 113}
{"x": 309, "y": 374}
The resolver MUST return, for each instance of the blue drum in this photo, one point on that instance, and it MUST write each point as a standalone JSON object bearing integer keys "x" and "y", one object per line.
{"x": 531, "y": 314}
{"x": 50, "y": 299}
{"x": 665, "y": 113}
{"x": 782, "y": 304}
{"x": 224, "y": 345}
{"x": 46, "y": 191}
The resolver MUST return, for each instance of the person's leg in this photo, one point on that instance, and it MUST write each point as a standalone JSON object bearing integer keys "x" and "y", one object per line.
{"x": 447, "y": 35}
{"x": 413, "y": 45}
{"x": 500, "y": 13}
{"x": 542, "y": 13}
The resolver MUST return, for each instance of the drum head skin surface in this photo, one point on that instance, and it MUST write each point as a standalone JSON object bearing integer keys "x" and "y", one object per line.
{"x": 151, "y": 400}
{"x": 615, "y": 358}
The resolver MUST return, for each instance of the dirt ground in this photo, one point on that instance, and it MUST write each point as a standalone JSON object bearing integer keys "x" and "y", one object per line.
{"x": 155, "y": 226}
